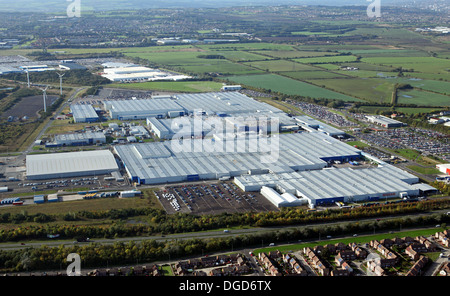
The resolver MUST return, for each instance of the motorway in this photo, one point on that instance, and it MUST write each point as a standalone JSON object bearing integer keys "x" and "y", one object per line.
{"x": 196, "y": 235}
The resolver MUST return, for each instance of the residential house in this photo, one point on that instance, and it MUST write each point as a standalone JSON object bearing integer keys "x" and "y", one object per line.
{"x": 340, "y": 247}
{"x": 387, "y": 242}
{"x": 360, "y": 252}
{"x": 431, "y": 247}
{"x": 417, "y": 267}
{"x": 375, "y": 268}
{"x": 398, "y": 242}
{"x": 347, "y": 267}
{"x": 419, "y": 247}
{"x": 412, "y": 253}
{"x": 275, "y": 254}
{"x": 208, "y": 261}
{"x": 339, "y": 272}
{"x": 445, "y": 270}
{"x": 408, "y": 240}
{"x": 331, "y": 248}
{"x": 374, "y": 244}
{"x": 318, "y": 249}
{"x": 347, "y": 255}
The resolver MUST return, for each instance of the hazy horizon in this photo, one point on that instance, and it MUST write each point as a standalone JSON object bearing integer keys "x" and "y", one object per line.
{"x": 60, "y": 6}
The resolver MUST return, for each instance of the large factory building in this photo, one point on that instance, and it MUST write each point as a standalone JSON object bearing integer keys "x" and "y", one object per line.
{"x": 70, "y": 164}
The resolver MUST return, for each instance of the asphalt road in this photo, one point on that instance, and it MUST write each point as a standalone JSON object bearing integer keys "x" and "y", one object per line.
{"x": 195, "y": 235}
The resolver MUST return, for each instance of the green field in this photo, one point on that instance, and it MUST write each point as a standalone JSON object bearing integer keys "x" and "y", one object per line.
{"x": 416, "y": 64}
{"x": 175, "y": 86}
{"x": 359, "y": 240}
{"x": 442, "y": 87}
{"x": 291, "y": 54}
{"x": 406, "y": 110}
{"x": 422, "y": 98}
{"x": 425, "y": 171}
{"x": 327, "y": 60}
{"x": 372, "y": 89}
{"x": 366, "y": 53}
{"x": 224, "y": 67}
{"x": 304, "y": 75}
{"x": 280, "y": 66}
{"x": 288, "y": 86}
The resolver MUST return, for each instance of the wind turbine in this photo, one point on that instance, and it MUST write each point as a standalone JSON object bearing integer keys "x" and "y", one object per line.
{"x": 28, "y": 78}
{"x": 60, "y": 82}
{"x": 44, "y": 94}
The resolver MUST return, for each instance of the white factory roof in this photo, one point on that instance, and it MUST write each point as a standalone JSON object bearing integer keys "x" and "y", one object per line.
{"x": 382, "y": 119}
{"x": 331, "y": 183}
{"x": 229, "y": 103}
{"x": 83, "y": 111}
{"x": 310, "y": 122}
{"x": 55, "y": 164}
{"x": 139, "y": 73}
{"x": 79, "y": 136}
{"x": 146, "y": 107}
{"x": 222, "y": 102}
{"x": 166, "y": 161}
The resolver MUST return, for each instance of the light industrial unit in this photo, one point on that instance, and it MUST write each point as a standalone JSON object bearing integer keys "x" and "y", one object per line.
{"x": 70, "y": 164}
{"x": 77, "y": 139}
{"x": 83, "y": 113}
{"x": 384, "y": 121}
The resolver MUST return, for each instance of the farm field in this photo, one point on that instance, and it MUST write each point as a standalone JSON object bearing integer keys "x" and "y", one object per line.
{"x": 327, "y": 60}
{"x": 406, "y": 110}
{"x": 280, "y": 66}
{"x": 305, "y": 75}
{"x": 373, "y": 90}
{"x": 295, "y": 54}
{"x": 289, "y": 86}
{"x": 416, "y": 64}
{"x": 175, "y": 86}
{"x": 423, "y": 98}
{"x": 367, "y": 53}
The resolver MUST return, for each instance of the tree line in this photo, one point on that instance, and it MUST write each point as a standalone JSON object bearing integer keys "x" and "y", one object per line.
{"x": 158, "y": 222}
{"x": 118, "y": 253}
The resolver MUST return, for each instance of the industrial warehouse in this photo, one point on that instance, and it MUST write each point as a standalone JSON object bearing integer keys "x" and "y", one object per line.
{"x": 220, "y": 104}
{"x": 84, "y": 113}
{"x": 306, "y": 167}
{"x": 70, "y": 164}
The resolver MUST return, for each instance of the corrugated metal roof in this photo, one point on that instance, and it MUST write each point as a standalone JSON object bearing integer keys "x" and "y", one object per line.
{"x": 62, "y": 163}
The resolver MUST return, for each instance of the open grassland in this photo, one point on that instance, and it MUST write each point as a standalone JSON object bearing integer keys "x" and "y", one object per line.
{"x": 289, "y": 86}
{"x": 359, "y": 240}
{"x": 423, "y": 98}
{"x": 327, "y": 60}
{"x": 173, "y": 86}
{"x": 406, "y": 110}
{"x": 305, "y": 75}
{"x": 416, "y": 64}
{"x": 223, "y": 67}
{"x": 367, "y": 53}
{"x": 255, "y": 46}
{"x": 280, "y": 66}
{"x": 291, "y": 54}
{"x": 79, "y": 205}
{"x": 373, "y": 90}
